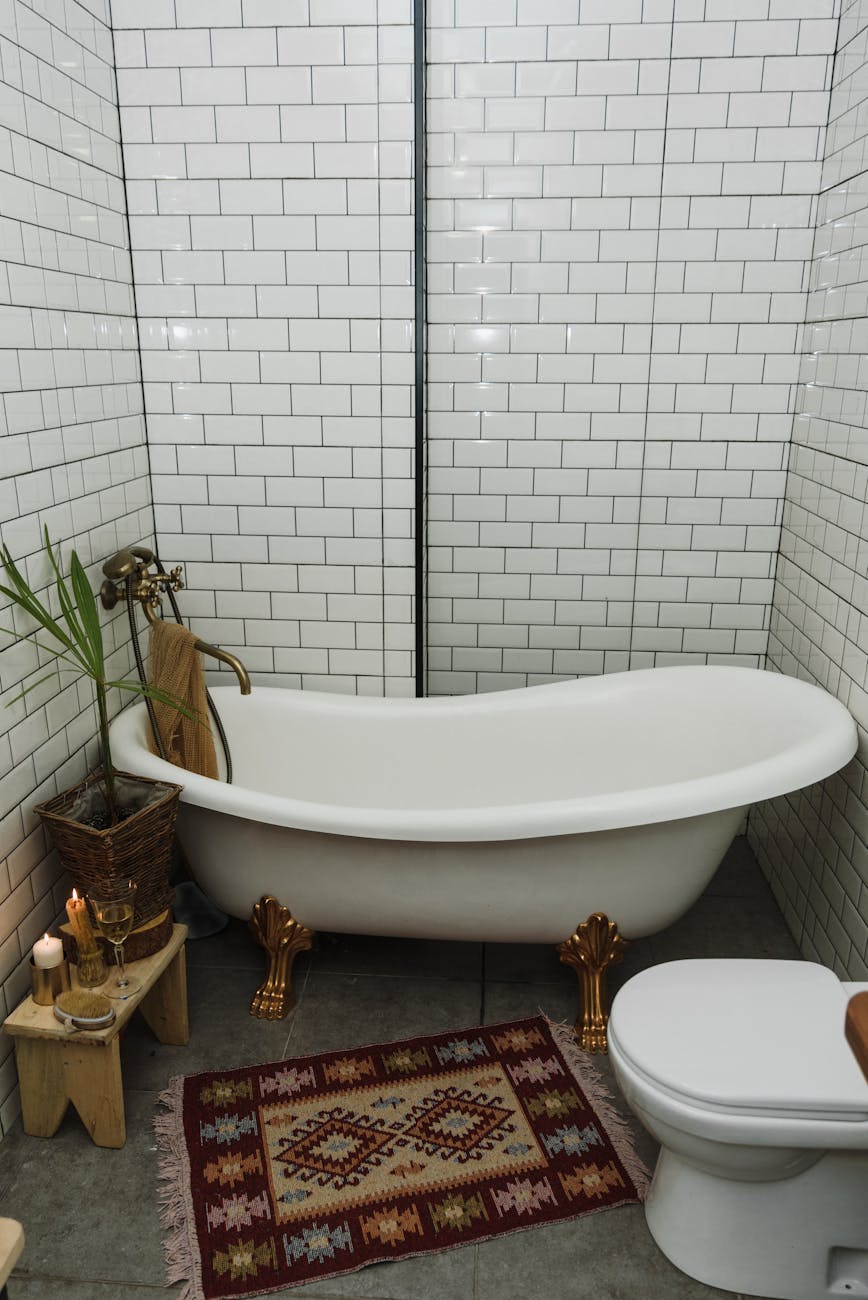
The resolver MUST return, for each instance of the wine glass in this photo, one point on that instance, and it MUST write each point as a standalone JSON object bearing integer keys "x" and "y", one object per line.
{"x": 113, "y": 912}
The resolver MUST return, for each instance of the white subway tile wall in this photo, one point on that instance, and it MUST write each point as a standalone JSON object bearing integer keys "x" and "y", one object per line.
{"x": 621, "y": 205}
{"x": 813, "y": 844}
{"x": 72, "y": 437}
{"x": 268, "y": 152}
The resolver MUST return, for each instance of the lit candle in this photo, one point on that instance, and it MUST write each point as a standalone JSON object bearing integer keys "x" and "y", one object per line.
{"x": 47, "y": 952}
{"x": 76, "y": 910}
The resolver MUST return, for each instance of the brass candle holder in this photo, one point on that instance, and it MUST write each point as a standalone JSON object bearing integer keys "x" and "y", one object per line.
{"x": 47, "y": 981}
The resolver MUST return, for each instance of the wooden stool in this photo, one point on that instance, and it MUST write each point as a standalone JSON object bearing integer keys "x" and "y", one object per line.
{"x": 57, "y": 1065}
{"x": 11, "y": 1246}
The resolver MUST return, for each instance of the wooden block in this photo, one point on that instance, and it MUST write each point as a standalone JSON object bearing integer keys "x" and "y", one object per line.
{"x": 143, "y": 942}
{"x": 11, "y": 1246}
{"x": 856, "y": 1029}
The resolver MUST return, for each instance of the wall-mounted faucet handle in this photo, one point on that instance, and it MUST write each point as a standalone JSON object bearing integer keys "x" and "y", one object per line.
{"x": 176, "y": 582}
{"x": 110, "y": 594}
{"x": 148, "y": 587}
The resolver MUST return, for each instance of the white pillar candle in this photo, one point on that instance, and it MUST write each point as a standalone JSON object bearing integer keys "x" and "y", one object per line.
{"x": 47, "y": 952}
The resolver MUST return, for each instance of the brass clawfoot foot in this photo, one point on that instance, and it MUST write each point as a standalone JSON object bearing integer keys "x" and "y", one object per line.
{"x": 591, "y": 950}
{"x": 283, "y": 938}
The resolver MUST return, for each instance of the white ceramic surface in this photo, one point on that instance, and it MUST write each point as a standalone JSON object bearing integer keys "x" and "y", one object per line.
{"x": 768, "y": 1204}
{"x": 738, "y": 1037}
{"x": 509, "y": 816}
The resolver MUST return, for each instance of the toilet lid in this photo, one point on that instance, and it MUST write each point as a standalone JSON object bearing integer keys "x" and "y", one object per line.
{"x": 757, "y": 1037}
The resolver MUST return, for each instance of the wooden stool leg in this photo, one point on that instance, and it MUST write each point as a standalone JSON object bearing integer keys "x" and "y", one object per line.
{"x": 96, "y": 1090}
{"x": 165, "y": 1006}
{"x": 43, "y": 1088}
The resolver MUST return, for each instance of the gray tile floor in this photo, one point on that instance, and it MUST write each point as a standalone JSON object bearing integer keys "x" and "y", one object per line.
{"x": 90, "y": 1216}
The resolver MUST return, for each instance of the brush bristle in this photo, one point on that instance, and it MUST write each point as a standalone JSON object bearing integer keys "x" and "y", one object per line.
{"x": 83, "y": 1005}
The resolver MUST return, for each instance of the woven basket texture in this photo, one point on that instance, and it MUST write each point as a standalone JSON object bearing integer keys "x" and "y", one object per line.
{"x": 139, "y": 848}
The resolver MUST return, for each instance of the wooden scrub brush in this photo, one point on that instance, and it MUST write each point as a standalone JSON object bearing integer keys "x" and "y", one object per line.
{"x": 82, "y": 1004}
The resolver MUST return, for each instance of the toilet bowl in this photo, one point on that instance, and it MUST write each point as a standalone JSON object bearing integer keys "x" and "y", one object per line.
{"x": 741, "y": 1071}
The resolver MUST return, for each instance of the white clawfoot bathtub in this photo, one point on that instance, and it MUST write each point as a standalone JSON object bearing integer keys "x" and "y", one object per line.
{"x": 501, "y": 817}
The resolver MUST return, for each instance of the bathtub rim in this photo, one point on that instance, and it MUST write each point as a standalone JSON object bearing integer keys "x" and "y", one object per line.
{"x": 799, "y": 766}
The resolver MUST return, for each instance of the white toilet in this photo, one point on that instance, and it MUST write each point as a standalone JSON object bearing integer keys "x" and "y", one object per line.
{"x": 740, "y": 1069}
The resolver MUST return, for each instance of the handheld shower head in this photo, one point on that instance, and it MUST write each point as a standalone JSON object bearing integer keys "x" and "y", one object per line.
{"x": 120, "y": 566}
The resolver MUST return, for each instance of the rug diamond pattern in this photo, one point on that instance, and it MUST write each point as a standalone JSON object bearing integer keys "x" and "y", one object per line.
{"x": 336, "y": 1149}
{"x": 457, "y": 1124}
{"x": 415, "y": 1135}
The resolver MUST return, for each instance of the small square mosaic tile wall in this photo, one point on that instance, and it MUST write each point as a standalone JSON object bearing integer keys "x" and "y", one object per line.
{"x": 72, "y": 437}
{"x": 267, "y": 146}
{"x": 813, "y": 844}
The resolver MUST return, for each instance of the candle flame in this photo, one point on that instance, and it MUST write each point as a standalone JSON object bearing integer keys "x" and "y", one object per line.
{"x": 45, "y": 937}
{"x": 74, "y": 895}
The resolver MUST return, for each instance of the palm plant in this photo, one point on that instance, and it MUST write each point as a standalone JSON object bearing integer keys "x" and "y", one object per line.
{"x": 75, "y": 641}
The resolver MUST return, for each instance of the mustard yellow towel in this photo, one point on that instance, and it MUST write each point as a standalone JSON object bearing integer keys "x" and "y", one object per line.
{"x": 176, "y": 667}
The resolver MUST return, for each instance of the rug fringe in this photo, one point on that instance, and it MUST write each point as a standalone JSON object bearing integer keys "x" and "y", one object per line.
{"x": 176, "y": 1205}
{"x": 593, "y": 1086}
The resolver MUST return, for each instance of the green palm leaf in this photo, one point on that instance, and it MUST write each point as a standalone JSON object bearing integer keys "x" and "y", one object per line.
{"x": 152, "y": 692}
{"x": 22, "y": 596}
{"x": 75, "y": 641}
{"x": 76, "y": 630}
{"x": 91, "y": 629}
{"x": 75, "y": 665}
{"x": 33, "y": 685}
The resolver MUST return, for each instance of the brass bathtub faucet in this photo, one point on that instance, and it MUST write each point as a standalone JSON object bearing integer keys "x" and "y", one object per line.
{"x": 129, "y": 572}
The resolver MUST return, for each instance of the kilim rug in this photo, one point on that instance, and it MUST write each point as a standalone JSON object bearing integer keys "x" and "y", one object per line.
{"x": 314, "y": 1167}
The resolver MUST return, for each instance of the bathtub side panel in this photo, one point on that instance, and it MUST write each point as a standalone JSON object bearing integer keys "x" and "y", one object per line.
{"x": 533, "y": 891}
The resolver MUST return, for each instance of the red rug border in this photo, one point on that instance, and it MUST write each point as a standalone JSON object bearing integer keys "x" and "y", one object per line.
{"x": 181, "y": 1245}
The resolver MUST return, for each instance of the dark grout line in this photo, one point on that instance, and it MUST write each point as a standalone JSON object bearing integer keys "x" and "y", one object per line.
{"x": 293, "y": 1017}
{"x": 482, "y": 981}
{"x": 404, "y": 975}
{"x": 207, "y": 965}
{"x": 22, "y": 1275}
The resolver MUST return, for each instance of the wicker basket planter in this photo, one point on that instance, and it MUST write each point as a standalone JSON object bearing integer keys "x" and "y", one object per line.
{"x": 138, "y": 848}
